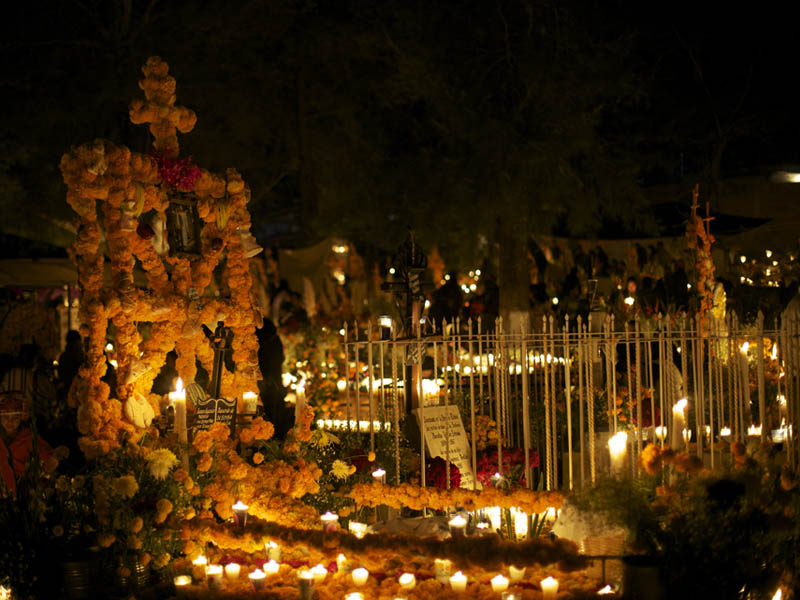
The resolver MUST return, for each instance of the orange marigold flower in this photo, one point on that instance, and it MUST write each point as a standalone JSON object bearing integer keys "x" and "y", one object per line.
{"x": 258, "y": 458}
{"x": 219, "y": 431}
{"x": 180, "y": 475}
{"x": 738, "y": 448}
{"x": 202, "y": 441}
{"x": 262, "y": 430}
{"x": 134, "y": 542}
{"x": 105, "y": 539}
{"x": 204, "y": 462}
{"x": 246, "y": 436}
{"x": 371, "y": 457}
{"x": 136, "y": 525}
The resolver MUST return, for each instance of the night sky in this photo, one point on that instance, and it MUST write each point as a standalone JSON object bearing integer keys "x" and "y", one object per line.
{"x": 704, "y": 93}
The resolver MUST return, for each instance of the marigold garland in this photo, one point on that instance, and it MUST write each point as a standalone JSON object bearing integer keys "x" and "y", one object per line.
{"x": 378, "y": 549}
{"x": 416, "y": 497}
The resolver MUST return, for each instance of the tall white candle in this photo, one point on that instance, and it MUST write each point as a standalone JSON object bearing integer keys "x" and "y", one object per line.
{"x": 458, "y": 526}
{"x": 516, "y": 574}
{"x": 178, "y": 401}
{"x": 250, "y": 402}
{"x": 214, "y": 576}
{"x": 678, "y": 423}
{"x": 618, "y": 451}
{"x": 330, "y": 522}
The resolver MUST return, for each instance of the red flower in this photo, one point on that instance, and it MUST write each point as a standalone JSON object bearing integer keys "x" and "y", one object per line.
{"x": 436, "y": 474}
{"x": 180, "y": 173}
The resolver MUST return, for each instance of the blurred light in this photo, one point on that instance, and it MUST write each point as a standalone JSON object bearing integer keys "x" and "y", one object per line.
{"x": 391, "y": 271}
{"x": 774, "y": 263}
{"x": 630, "y": 300}
{"x": 427, "y": 303}
{"x": 447, "y": 277}
{"x": 472, "y": 273}
{"x": 341, "y": 385}
{"x": 341, "y": 331}
{"x": 768, "y": 253}
{"x": 743, "y": 259}
{"x": 109, "y": 347}
{"x": 688, "y": 286}
{"x": 555, "y": 300}
{"x": 741, "y": 279}
{"x": 744, "y": 347}
{"x": 785, "y": 177}
{"x": 473, "y": 287}
{"x": 478, "y": 272}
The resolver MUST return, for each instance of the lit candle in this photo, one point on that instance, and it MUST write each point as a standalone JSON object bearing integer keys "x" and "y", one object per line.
{"x": 678, "y": 423}
{"x": 499, "y": 583}
{"x": 360, "y": 576}
{"x": 250, "y": 402}
{"x": 441, "y": 569}
{"x": 232, "y": 570}
{"x": 458, "y": 526}
{"x": 330, "y": 522}
{"x": 408, "y": 581}
{"x": 240, "y": 513}
{"x": 199, "y": 568}
{"x": 273, "y": 550}
{"x": 181, "y": 583}
{"x": 520, "y": 523}
{"x": 618, "y": 449}
{"x": 178, "y": 401}
{"x": 341, "y": 562}
{"x": 306, "y": 580}
{"x": 354, "y": 596}
{"x": 214, "y": 576}
{"x": 605, "y": 591}
{"x": 319, "y": 572}
{"x": 754, "y": 431}
{"x": 493, "y": 512}
{"x": 386, "y": 326}
{"x": 379, "y": 475}
{"x": 271, "y": 567}
{"x": 357, "y": 529}
{"x": 458, "y": 582}
{"x": 257, "y": 578}
{"x": 661, "y": 433}
{"x": 725, "y": 433}
{"x": 549, "y": 588}
{"x": 516, "y": 574}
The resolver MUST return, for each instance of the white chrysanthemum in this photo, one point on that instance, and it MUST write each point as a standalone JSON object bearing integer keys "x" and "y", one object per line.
{"x": 161, "y": 462}
{"x": 340, "y": 469}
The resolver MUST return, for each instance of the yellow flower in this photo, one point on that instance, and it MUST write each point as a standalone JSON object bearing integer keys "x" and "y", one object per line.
{"x": 371, "y": 457}
{"x": 163, "y": 508}
{"x": 125, "y": 486}
{"x": 160, "y": 462}
{"x": 340, "y": 469}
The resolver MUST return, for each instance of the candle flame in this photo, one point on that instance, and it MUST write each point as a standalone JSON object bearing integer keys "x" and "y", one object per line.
{"x": 617, "y": 443}
{"x": 680, "y": 405}
{"x": 179, "y": 385}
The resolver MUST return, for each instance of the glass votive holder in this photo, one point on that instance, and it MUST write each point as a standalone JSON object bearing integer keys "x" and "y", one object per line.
{"x": 360, "y": 576}
{"x": 214, "y": 576}
{"x": 257, "y": 579}
{"x": 232, "y": 570}
{"x": 408, "y": 581}
{"x": 273, "y": 551}
{"x": 240, "y": 513}
{"x": 306, "y": 582}
{"x": 515, "y": 574}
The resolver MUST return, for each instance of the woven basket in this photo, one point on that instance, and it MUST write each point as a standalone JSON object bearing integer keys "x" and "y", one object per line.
{"x": 611, "y": 545}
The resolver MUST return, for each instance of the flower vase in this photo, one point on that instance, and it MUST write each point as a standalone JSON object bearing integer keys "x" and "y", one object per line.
{"x": 79, "y": 578}
{"x": 640, "y": 578}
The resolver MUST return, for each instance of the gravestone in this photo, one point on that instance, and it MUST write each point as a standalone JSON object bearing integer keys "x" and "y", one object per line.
{"x": 443, "y": 423}
{"x": 215, "y": 410}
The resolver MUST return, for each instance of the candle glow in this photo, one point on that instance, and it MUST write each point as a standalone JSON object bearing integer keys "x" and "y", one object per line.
{"x": 408, "y": 581}
{"x": 271, "y": 567}
{"x": 549, "y": 588}
{"x": 499, "y": 583}
{"x": 458, "y": 582}
{"x": 319, "y": 572}
{"x": 360, "y": 576}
